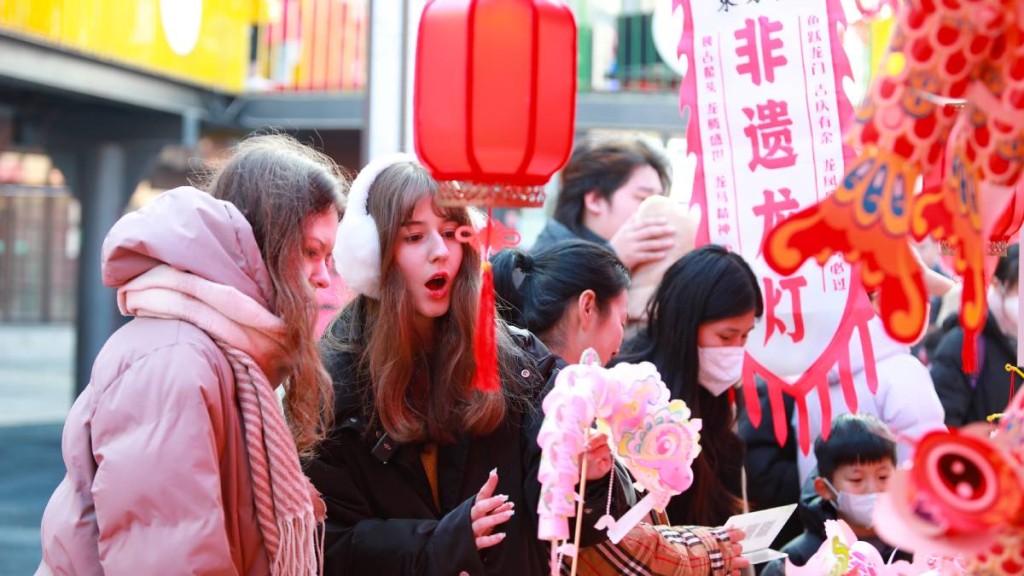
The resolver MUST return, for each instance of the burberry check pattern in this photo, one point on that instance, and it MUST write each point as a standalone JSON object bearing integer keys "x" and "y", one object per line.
{"x": 657, "y": 551}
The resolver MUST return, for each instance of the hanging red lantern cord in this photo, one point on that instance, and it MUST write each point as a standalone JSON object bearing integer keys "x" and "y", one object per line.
{"x": 494, "y": 107}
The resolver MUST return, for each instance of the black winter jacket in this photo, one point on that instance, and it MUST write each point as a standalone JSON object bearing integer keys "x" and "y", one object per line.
{"x": 772, "y": 476}
{"x": 555, "y": 232}
{"x": 969, "y": 398}
{"x": 381, "y": 515}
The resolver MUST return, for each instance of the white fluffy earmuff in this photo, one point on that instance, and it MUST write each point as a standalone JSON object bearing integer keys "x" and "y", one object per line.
{"x": 357, "y": 248}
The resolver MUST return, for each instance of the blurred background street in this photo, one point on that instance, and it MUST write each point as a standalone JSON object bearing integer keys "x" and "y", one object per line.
{"x": 36, "y": 368}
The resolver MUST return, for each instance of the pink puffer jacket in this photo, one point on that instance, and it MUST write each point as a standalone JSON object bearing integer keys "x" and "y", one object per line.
{"x": 157, "y": 474}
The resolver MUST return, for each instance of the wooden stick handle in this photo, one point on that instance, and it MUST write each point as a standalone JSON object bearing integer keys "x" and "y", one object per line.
{"x": 579, "y": 505}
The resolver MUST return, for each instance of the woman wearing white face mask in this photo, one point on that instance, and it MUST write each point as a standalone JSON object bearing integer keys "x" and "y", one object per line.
{"x": 698, "y": 322}
{"x": 968, "y": 397}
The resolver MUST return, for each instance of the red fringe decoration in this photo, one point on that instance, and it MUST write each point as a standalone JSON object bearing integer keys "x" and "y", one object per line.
{"x": 484, "y": 346}
{"x": 969, "y": 354}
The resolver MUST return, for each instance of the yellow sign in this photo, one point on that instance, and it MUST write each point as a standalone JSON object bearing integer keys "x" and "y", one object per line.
{"x": 201, "y": 42}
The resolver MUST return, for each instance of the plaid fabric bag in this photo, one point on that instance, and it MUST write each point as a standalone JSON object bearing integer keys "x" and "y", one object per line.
{"x": 649, "y": 550}
{"x": 654, "y": 548}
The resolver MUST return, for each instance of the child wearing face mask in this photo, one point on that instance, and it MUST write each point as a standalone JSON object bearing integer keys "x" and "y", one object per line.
{"x": 854, "y": 467}
{"x": 697, "y": 324}
{"x": 971, "y": 397}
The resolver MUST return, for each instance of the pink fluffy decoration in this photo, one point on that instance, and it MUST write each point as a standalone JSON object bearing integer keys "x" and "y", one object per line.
{"x": 842, "y": 554}
{"x": 652, "y": 435}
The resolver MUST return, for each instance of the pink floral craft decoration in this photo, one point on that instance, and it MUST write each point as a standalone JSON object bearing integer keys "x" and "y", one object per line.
{"x": 653, "y": 436}
{"x": 842, "y": 554}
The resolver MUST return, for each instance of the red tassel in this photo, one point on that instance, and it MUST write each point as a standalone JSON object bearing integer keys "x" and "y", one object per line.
{"x": 485, "y": 348}
{"x": 969, "y": 354}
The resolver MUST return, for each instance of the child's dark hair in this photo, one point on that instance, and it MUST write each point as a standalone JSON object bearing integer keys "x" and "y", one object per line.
{"x": 855, "y": 438}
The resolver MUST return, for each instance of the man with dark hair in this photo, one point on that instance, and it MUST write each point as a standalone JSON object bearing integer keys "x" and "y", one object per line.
{"x": 854, "y": 466}
{"x": 601, "y": 188}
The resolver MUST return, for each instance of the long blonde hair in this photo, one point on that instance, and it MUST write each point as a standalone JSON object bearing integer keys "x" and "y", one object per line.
{"x": 279, "y": 184}
{"x": 415, "y": 393}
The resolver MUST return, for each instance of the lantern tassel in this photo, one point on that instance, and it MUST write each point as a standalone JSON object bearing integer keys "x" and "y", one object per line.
{"x": 484, "y": 345}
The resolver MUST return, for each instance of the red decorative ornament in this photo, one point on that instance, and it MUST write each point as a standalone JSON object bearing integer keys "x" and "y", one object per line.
{"x": 495, "y": 98}
{"x": 484, "y": 346}
{"x": 974, "y": 235}
{"x": 1002, "y": 218}
{"x": 494, "y": 237}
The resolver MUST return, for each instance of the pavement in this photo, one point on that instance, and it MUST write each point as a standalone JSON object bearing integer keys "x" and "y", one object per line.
{"x": 36, "y": 375}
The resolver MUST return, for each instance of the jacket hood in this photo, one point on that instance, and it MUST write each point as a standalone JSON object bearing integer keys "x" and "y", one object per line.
{"x": 883, "y": 346}
{"x": 191, "y": 231}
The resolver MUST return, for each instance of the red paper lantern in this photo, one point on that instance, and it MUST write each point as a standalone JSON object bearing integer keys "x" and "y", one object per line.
{"x": 495, "y": 96}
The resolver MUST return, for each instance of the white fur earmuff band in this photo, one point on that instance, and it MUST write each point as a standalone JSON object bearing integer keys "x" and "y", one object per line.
{"x": 357, "y": 247}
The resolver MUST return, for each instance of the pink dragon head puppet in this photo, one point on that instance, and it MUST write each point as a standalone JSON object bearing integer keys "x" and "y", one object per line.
{"x": 653, "y": 436}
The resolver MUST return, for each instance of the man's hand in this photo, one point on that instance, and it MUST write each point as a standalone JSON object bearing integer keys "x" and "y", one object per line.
{"x": 642, "y": 240}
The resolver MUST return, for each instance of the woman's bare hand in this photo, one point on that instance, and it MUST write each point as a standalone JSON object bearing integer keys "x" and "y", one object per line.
{"x": 488, "y": 512}
{"x": 598, "y": 456}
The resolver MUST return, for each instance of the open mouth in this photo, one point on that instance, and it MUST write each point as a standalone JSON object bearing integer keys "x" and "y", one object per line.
{"x": 437, "y": 282}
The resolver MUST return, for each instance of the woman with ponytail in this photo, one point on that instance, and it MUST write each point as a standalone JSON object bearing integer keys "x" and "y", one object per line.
{"x": 425, "y": 473}
{"x": 572, "y": 295}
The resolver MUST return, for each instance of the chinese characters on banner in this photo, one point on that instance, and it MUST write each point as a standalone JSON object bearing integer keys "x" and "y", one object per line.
{"x": 767, "y": 112}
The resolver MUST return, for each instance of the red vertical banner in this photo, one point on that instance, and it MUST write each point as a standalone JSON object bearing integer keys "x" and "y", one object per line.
{"x": 767, "y": 110}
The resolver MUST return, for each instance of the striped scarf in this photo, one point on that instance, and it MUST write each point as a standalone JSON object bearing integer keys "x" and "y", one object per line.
{"x": 251, "y": 339}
